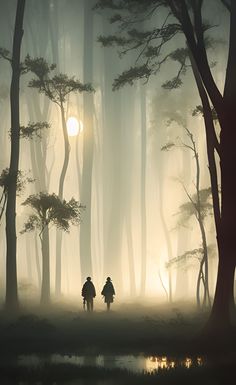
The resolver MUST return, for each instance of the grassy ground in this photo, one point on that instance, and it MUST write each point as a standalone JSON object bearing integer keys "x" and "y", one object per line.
{"x": 131, "y": 328}
{"x": 128, "y": 329}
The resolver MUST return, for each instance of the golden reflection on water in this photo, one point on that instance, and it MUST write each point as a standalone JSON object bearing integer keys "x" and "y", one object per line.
{"x": 159, "y": 363}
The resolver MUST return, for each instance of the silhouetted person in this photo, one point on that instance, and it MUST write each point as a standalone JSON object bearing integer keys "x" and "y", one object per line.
{"x": 88, "y": 292}
{"x": 108, "y": 292}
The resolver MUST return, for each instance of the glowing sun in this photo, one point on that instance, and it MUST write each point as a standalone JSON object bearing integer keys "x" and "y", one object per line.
{"x": 74, "y": 127}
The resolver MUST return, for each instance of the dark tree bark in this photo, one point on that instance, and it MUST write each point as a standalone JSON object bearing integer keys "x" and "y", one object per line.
{"x": 225, "y": 106}
{"x": 11, "y": 241}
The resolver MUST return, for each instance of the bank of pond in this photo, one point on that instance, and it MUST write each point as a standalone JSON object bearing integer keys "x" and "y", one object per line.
{"x": 140, "y": 369}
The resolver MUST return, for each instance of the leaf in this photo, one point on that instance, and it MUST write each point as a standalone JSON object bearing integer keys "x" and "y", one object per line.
{"x": 50, "y": 209}
{"x": 168, "y": 146}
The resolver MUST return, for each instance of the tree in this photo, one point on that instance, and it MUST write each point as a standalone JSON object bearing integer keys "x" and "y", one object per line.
{"x": 49, "y": 209}
{"x": 185, "y": 17}
{"x": 5, "y": 180}
{"x": 11, "y": 301}
{"x": 57, "y": 88}
{"x": 183, "y": 261}
{"x": 197, "y": 206}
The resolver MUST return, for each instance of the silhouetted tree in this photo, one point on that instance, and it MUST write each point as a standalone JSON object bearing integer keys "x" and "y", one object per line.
{"x": 198, "y": 206}
{"x": 11, "y": 301}
{"x": 5, "y": 180}
{"x": 186, "y": 17}
{"x": 57, "y": 88}
{"x": 49, "y": 209}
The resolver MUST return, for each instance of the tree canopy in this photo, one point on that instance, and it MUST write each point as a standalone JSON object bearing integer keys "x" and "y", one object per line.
{"x": 50, "y": 209}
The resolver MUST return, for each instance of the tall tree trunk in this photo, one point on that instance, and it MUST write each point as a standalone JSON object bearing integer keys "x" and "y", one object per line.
{"x": 38, "y": 268}
{"x": 11, "y": 268}
{"x": 45, "y": 289}
{"x": 88, "y": 145}
{"x": 225, "y": 107}
{"x": 60, "y": 194}
{"x": 211, "y": 142}
{"x": 224, "y": 295}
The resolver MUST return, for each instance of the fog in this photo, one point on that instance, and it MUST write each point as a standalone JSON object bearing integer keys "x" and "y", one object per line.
{"x": 132, "y": 225}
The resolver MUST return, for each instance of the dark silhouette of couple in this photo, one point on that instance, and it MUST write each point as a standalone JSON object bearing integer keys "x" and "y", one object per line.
{"x": 89, "y": 293}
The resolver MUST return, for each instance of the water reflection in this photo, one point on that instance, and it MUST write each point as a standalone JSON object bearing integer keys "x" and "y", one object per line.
{"x": 158, "y": 363}
{"x": 135, "y": 364}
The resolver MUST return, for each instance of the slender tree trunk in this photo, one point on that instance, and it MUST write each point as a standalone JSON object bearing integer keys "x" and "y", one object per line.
{"x": 60, "y": 194}
{"x": 168, "y": 244}
{"x": 211, "y": 141}
{"x": 206, "y": 296}
{"x": 45, "y": 289}
{"x": 38, "y": 269}
{"x": 11, "y": 268}
{"x": 199, "y": 279}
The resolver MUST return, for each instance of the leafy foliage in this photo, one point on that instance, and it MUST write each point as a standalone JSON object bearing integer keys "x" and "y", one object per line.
{"x": 182, "y": 259}
{"x": 39, "y": 67}
{"x": 111, "y": 41}
{"x": 187, "y": 256}
{"x": 5, "y": 54}
{"x": 133, "y": 6}
{"x": 131, "y": 75}
{"x": 149, "y": 43}
{"x": 57, "y": 87}
{"x": 174, "y": 83}
{"x": 198, "y": 110}
{"x": 190, "y": 208}
{"x": 33, "y": 129}
{"x": 50, "y": 209}
{"x": 22, "y": 180}
{"x": 168, "y": 146}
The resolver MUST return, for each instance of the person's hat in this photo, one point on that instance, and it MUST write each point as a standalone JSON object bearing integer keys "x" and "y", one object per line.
{"x": 88, "y": 278}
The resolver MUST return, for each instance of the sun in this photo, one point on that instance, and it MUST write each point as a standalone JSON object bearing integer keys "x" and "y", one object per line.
{"x": 74, "y": 127}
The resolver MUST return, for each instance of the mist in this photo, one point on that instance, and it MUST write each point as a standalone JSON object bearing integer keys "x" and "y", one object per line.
{"x": 115, "y": 176}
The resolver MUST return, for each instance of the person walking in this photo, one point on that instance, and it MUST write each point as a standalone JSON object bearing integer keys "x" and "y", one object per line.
{"x": 108, "y": 292}
{"x": 88, "y": 293}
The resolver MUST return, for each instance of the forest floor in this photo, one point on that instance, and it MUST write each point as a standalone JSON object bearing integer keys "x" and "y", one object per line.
{"x": 128, "y": 329}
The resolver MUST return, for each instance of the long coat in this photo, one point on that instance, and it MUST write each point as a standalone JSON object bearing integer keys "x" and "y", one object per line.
{"x": 108, "y": 291}
{"x": 88, "y": 290}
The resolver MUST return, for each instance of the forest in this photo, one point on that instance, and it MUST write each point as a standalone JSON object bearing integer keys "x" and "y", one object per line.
{"x": 117, "y": 191}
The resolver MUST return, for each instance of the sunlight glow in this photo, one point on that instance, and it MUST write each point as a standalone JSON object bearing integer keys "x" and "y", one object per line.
{"x": 154, "y": 363}
{"x": 74, "y": 127}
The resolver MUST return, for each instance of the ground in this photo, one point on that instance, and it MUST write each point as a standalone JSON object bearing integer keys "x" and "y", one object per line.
{"x": 131, "y": 328}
